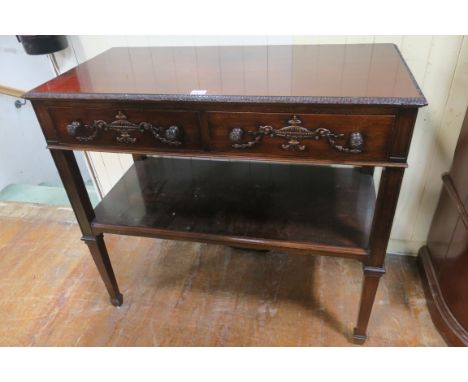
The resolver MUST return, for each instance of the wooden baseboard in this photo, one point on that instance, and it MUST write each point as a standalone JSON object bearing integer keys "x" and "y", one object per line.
{"x": 447, "y": 325}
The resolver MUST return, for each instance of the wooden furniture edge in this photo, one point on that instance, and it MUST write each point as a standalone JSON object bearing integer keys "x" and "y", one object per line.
{"x": 249, "y": 243}
{"x": 413, "y": 102}
{"x": 447, "y": 325}
{"x": 213, "y": 155}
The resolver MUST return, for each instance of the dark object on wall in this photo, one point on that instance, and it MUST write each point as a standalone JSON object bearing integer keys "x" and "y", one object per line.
{"x": 36, "y": 45}
{"x": 444, "y": 260}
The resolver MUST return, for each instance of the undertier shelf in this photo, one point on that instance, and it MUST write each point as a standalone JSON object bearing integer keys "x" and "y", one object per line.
{"x": 251, "y": 204}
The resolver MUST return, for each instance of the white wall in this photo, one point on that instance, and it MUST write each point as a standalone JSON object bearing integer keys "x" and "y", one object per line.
{"x": 24, "y": 158}
{"x": 440, "y": 65}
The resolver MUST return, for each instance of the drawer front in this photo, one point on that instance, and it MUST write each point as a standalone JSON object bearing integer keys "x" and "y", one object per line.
{"x": 315, "y": 136}
{"x": 150, "y": 129}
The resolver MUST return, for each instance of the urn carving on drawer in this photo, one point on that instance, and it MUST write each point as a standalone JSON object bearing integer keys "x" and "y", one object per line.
{"x": 295, "y": 133}
{"x": 126, "y": 131}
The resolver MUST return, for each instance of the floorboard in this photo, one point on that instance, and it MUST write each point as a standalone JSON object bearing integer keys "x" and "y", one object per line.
{"x": 187, "y": 294}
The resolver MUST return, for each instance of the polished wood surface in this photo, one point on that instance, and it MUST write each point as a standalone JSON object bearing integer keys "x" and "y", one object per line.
{"x": 135, "y": 128}
{"x": 444, "y": 261}
{"x": 320, "y": 134}
{"x": 352, "y": 105}
{"x": 189, "y": 294}
{"x": 336, "y": 74}
{"x": 118, "y": 123}
{"x": 376, "y": 132}
{"x": 446, "y": 323}
{"x": 76, "y": 191}
{"x": 257, "y": 204}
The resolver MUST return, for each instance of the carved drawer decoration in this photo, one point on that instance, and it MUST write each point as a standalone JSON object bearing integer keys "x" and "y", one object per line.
{"x": 294, "y": 134}
{"x": 126, "y": 131}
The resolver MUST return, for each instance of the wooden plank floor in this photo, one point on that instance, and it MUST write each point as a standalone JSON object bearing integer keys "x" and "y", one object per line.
{"x": 188, "y": 294}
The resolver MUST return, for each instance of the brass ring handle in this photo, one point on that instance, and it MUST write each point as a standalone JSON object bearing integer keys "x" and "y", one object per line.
{"x": 295, "y": 133}
{"x": 125, "y": 129}
{"x": 236, "y": 136}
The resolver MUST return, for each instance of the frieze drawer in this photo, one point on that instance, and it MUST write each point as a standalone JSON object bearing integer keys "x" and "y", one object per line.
{"x": 149, "y": 129}
{"x": 318, "y": 136}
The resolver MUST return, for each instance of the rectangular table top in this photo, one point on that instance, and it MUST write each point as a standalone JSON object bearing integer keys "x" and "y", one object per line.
{"x": 363, "y": 74}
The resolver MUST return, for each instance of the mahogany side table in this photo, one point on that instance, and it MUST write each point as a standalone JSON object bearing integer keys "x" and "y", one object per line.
{"x": 281, "y": 115}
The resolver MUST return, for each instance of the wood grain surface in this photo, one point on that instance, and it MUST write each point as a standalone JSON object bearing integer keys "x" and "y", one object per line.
{"x": 187, "y": 294}
{"x": 323, "y": 74}
{"x": 275, "y": 205}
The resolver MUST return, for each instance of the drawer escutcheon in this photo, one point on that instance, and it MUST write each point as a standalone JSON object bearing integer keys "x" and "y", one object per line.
{"x": 295, "y": 133}
{"x": 124, "y": 128}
